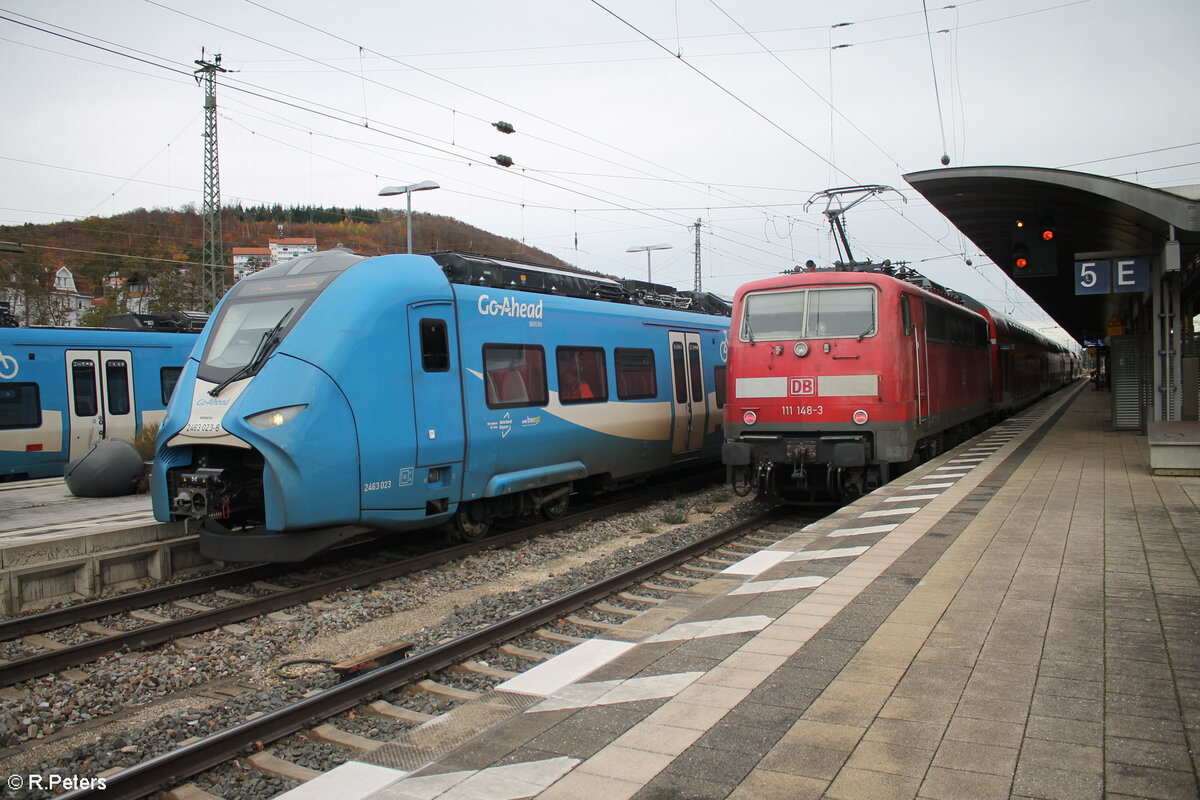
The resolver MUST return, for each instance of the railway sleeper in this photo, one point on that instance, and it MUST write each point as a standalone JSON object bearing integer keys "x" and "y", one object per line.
{"x": 585, "y": 622}
{"x": 640, "y": 598}
{"x": 382, "y": 708}
{"x": 476, "y": 668}
{"x": 337, "y": 737}
{"x": 562, "y": 638}
{"x": 609, "y": 608}
{"x": 430, "y": 686}
{"x": 525, "y": 653}
{"x": 189, "y": 791}
{"x": 274, "y": 765}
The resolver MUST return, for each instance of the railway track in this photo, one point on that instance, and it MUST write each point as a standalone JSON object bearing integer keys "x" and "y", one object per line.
{"x": 56, "y": 655}
{"x": 692, "y": 562}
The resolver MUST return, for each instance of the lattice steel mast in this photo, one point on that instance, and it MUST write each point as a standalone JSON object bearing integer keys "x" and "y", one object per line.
{"x": 697, "y": 227}
{"x": 212, "y": 262}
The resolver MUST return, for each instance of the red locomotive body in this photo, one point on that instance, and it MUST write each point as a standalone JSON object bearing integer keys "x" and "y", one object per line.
{"x": 839, "y": 378}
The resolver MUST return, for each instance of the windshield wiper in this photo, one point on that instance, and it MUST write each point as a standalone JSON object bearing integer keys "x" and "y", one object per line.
{"x": 870, "y": 328}
{"x": 265, "y": 345}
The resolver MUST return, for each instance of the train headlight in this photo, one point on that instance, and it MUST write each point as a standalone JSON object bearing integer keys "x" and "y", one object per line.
{"x": 801, "y": 349}
{"x": 860, "y": 417}
{"x": 749, "y": 418}
{"x": 265, "y": 420}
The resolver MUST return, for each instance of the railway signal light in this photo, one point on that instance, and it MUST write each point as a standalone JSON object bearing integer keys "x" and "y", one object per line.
{"x": 1034, "y": 249}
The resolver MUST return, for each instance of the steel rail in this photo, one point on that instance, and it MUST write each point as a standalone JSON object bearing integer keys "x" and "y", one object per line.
{"x": 171, "y": 767}
{"x": 145, "y": 636}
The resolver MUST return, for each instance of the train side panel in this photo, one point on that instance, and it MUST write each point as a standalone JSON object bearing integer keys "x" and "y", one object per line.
{"x": 559, "y": 390}
{"x": 63, "y": 389}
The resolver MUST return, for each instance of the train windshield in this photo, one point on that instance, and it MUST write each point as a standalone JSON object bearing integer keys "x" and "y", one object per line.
{"x": 809, "y": 313}
{"x": 248, "y": 328}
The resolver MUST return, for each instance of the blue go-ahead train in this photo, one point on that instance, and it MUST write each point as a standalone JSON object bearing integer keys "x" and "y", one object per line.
{"x": 338, "y": 392}
{"x": 63, "y": 389}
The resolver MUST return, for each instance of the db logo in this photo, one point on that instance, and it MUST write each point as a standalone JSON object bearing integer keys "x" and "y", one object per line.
{"x": 802, "y": 387}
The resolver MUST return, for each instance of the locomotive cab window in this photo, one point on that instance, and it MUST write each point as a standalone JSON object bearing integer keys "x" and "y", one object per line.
{"x": 435, "y": 346}
{"x": 823, "y": 313}
{"x": 636, "y": 379}
{"x": 20, "y": 406}
{"x": 582, "y": 376}
{"x": 841, "y": 312}
{"x": 514, "y": 375}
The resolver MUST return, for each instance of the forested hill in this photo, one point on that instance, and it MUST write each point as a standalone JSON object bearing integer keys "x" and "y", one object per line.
{"x": 147, "y": 246}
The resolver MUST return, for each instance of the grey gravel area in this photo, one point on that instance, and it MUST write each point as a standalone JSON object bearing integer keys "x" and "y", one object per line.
{"x": 122, "y": 681}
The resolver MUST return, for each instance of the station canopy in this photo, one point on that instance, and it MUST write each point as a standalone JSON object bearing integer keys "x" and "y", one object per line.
{"x": 1090, "y": 214}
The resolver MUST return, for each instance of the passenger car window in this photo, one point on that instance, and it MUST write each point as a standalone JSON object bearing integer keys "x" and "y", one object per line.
{"x": 582, "y": 375}
{"x": 514, "y": 375}
{"x": 636, "y": 379}
{"x": 116, "y": 383}
{"x": 83, "y": 381}
{"x": 20, "y": 406}
{"x": 167, "y": 378}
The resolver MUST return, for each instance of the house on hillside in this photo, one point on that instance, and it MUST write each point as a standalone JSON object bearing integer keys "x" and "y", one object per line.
{"x": 62, "y": 300}
{"x": 284, "y": 250}
{"x": 136, "y": 295}
{"x": 247, "y": 260}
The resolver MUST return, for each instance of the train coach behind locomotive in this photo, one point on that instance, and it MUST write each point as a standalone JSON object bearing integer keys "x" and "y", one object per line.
{"x": 840, "y": 379}
{"x": 337, "y": 392}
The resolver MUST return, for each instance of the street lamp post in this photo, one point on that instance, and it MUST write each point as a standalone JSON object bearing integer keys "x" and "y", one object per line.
{"x": 407, "y": 191}
{"x": 648, "y": 248}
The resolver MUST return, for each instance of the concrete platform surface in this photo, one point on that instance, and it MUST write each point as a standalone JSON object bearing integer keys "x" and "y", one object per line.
{"x": 1017, "y": 619}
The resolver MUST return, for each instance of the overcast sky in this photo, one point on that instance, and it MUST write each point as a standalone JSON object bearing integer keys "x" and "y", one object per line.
{"x": 634, "y": 118}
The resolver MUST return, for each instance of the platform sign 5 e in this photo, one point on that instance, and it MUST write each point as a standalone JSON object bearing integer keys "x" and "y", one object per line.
{"x": 1118, "y": 275}
{"x": 802, "y": 387}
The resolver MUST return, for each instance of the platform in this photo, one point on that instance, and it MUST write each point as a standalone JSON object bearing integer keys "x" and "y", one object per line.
{"x": 1018, "y": 618}
{"x": 55, "y": 546}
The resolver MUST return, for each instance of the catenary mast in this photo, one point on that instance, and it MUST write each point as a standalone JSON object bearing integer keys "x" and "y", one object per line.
{"x": 212, "y": 267}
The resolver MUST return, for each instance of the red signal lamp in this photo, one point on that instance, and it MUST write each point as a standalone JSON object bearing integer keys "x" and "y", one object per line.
{"x": 1020, "y": 256}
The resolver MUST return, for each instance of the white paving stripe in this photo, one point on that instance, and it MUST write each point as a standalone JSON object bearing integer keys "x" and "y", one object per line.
{"x": 889, "y": 512}
{"x": 712, "y": 627}
{"x": 780, "y": 585}
{"x": 906, "y": 498}
{"x": 835, "y": 552}
{"x": 567, "y": 667}
{"x": 863, "y": 531}
{"x": 610, "y": 693}
{"x": 965, "y": 459}
{"x": 757, "y": 563}
{"x": 352, "y": 779}
{"x": 919, "y": 487}
{"x": 508, "y": 782}
{"x": 950, "y": 469}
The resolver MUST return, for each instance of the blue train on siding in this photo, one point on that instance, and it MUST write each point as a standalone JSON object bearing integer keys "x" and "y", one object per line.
{"x": 337, "y": 392}
{"x": 63, "y": 389}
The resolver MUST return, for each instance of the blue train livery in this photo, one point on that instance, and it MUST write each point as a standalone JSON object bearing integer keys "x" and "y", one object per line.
{"x": 63, "y": 389}
{"x": 336, "y": 393}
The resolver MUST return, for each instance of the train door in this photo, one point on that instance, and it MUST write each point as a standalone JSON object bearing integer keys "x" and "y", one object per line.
{"x": 437, "y": 391}
{"x": 99, "y": 397}
{"x": 689, "y": 395}
{"x": 912, "y": 310}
